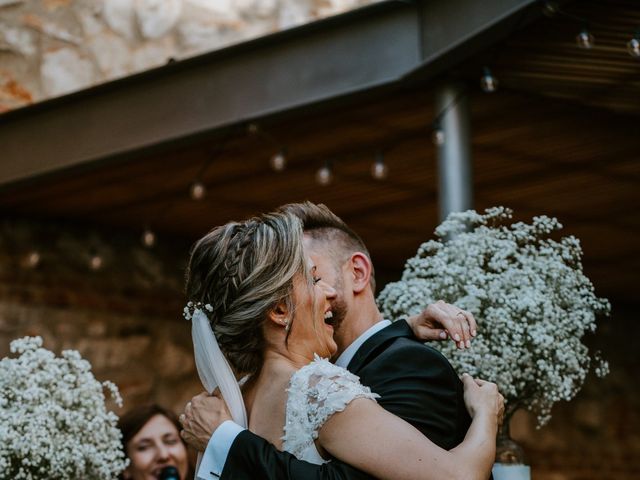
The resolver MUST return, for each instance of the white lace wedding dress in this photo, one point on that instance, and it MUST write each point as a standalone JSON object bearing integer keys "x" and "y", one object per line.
{"x": 316, "y": 392}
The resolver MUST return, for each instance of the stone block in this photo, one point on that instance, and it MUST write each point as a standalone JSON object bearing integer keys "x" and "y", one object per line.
{"x": 17, "y": 39}
{"x": 157, "y": 17}
{"x": 66, "y": 70}
{"x": 173, "y": 360}
{"x": 113, "y": 353}
{"x": 120, "y": 17}
{"x": 152, "y": 54}
{"x": 51, "y": 29}
{"x": 111, "y": 53}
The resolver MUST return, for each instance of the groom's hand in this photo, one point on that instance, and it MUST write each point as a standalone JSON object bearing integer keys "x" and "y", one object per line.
{"x": 442, "y": 320}
{"x": 202, "y": 416}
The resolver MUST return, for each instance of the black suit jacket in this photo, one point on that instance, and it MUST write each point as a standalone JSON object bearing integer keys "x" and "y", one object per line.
{"x": 415, "y": 382}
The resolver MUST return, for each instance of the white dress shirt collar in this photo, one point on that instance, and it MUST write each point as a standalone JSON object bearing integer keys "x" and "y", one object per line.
{"x": 345, "y": 358}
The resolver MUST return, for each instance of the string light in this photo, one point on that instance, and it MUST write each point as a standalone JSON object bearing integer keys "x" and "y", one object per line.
{"x": 633, "y": 45}
{"x": 379, "y": 169}
{"x": 148, "y": 238}
{"x": 278, "y": 161}
{"x": 253, "y": 128}
{"x": 550, "y": 9}
{"x": 488, "y": 82}
{"x": 32, "y": 259}
{"x": 437, "y": 135}
{"x": 198, "y": 191}
{"x": 585, "y": 40}
{"x": 95, "y": 261}
{"x": 324, "y": 176}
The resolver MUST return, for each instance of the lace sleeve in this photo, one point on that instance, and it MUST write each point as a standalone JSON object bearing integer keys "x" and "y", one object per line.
{"x": 316, "y": 392}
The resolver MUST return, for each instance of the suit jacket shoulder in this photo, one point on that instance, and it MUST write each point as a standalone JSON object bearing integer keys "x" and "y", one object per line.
{"x": 415, "y": 382}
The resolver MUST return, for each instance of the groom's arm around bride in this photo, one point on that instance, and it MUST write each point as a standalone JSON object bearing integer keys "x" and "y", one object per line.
{"x": 416, "y": 383}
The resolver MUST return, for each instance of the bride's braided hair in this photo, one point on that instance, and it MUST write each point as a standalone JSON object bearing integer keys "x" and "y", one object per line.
{"x": 243, "y": 269}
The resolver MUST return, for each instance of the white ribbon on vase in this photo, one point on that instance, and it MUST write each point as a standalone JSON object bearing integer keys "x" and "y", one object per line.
{"x": 214, "y": 369}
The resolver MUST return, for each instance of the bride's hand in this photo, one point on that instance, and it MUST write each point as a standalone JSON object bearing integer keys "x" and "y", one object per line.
{"x": 482, "y": 397}
{"x": 442, "y": 320}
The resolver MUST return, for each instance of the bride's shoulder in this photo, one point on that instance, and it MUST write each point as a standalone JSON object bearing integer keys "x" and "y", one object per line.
{"x": 321, "y": 379}
{"x": 322, "y": 368}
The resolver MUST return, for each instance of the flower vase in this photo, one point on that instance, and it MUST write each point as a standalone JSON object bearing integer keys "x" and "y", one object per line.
{"x": 510, "y": 459}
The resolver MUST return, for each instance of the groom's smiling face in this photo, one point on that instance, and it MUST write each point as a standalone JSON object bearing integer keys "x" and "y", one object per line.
{"x": 330, "y": 270}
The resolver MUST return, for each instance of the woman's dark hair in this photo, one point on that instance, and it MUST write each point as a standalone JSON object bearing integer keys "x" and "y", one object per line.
{"x": 136, "y": 418}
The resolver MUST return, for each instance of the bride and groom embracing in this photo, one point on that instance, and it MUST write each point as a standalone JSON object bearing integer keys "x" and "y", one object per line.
{"x": 284, "y": 292}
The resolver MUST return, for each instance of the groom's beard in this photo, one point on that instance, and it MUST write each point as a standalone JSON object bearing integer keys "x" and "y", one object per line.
{"x": 339, "y": 311}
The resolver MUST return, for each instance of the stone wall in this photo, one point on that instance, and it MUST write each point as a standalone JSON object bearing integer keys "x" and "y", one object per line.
{"x": 52, "y": 47}
{"x": 126, "y": 319}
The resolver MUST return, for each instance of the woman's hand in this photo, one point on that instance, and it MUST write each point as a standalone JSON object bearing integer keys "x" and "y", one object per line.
{"x": 442, "y": 320}
{"x": 483, "y": 398}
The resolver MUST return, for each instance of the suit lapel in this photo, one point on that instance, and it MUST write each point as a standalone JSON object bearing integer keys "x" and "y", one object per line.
{"x": 378, "y": 342}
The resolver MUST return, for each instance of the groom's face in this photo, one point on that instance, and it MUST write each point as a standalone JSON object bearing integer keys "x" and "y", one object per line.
{"x": 332, "y": 272}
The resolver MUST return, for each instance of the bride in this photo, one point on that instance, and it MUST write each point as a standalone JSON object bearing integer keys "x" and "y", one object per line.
{"x": 271, "y": 315}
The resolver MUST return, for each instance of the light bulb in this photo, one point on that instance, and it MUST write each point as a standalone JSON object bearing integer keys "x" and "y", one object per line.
{"x": 32, "y": 259}
{"x": 488, "y": 82}
{"x": 198, "y": 190}
{"x": 253, "y": 128}
{"x": 95, "y": 262}
{"x": 585, "y": 40}
{"x": 550, "y": 9}
{"x": 633, "y": 46}
{"x": 438, "y": 136}
{"x": 148, "y": 238}
{"x": 379, "y": 169}
{"x": 324, "y": 176}
{"x": 278, "y": 161}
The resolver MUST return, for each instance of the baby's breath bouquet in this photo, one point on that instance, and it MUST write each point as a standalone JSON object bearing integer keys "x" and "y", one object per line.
{"x": 53, "y": 420}
{"x": 528, "y": 293}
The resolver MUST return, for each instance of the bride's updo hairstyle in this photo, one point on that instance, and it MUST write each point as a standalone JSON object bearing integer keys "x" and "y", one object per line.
{"x": 243, "y": 270}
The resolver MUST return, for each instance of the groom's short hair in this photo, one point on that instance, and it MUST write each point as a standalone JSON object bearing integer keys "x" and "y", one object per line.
{"x": 322, "y": 225}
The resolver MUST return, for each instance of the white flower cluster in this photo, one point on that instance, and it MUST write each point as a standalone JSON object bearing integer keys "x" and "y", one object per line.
{"x": 528, "y": 293}
{"x": 53, "y": 420}
{"x": 190, "y": 308}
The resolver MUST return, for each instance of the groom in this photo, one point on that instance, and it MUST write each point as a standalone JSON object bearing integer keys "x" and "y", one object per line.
{"x": 415, "y": 382}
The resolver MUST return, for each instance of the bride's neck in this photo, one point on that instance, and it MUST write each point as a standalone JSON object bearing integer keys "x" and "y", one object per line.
{"x": 277, "y": 369}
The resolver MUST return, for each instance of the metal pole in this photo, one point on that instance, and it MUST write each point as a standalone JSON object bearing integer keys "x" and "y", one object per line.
{"x": 455, "y": 172}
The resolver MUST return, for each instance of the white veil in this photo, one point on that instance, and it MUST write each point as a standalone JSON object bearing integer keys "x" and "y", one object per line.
{"x": 214, "y": 369}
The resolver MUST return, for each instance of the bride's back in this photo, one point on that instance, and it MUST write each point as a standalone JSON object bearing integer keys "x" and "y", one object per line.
{"x": 265, "y": 400}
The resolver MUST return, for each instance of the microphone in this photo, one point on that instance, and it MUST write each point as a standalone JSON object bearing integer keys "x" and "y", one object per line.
{"x": 169, "y": 473}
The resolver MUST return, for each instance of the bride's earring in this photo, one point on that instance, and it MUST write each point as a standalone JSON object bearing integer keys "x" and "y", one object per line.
{"x": 286, "y": 324}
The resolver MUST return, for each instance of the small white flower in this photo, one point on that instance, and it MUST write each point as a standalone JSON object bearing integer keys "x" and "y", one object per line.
{"x": 53, "y": 420}
{"x": 528, "y": 293}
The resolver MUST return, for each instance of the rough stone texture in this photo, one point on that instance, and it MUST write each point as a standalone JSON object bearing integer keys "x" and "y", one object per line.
{"x": 53, "y": 47}
{"x": 126, "y": 319}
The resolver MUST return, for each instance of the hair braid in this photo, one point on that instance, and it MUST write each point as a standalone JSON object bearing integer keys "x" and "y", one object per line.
{"x": 243, "y": 270}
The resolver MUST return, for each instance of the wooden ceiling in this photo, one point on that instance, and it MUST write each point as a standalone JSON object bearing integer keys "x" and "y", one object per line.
{"x": 552, "y": 141}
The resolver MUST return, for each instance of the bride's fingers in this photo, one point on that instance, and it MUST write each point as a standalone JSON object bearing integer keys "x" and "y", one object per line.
{"x": 445, "y": 315}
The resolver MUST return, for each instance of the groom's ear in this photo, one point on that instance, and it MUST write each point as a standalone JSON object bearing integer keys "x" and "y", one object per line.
{"x": 279, "y": 314}
{"x": 361, "y": 269}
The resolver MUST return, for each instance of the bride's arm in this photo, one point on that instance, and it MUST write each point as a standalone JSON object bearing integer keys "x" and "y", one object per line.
{"x": 370, "y": 438}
